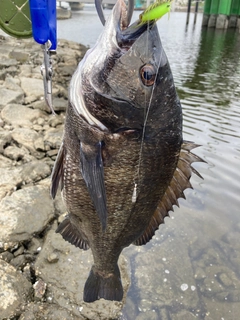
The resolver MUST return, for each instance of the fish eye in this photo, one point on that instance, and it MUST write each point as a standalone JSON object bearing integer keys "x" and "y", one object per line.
{"x": 148, "y": 74}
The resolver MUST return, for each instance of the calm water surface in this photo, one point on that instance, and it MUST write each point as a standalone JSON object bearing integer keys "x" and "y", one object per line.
{"x": 191, "y": 269}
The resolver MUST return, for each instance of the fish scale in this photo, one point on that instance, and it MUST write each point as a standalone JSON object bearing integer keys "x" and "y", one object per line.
{"x": 123, "y": 162}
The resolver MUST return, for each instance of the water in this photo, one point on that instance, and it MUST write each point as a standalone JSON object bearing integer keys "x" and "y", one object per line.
{"x": 191, "y": 268}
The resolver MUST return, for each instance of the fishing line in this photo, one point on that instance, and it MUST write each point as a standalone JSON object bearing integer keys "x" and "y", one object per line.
{"x": 134, "y": 195}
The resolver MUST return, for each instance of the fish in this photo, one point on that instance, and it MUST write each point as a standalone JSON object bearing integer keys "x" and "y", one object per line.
{"x": 123, "y": 163}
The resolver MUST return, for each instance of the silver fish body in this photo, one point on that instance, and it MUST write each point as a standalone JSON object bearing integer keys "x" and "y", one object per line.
{"x": 123, "y": 163}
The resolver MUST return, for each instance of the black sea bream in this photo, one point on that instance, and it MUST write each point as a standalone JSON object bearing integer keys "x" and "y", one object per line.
{"x": 123, "y": 163}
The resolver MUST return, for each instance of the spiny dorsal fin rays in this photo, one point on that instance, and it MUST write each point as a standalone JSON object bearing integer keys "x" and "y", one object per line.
{"x": 180, "y": 182}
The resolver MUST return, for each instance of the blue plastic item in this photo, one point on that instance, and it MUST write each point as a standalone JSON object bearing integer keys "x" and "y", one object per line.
{"x": 44, "y": 20}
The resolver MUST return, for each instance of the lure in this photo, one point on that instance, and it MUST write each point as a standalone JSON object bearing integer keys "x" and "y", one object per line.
{"x": 156, "y": 10}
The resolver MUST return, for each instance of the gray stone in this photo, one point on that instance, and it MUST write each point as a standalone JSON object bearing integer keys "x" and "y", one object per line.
{"x": 15, "y": 153}
{"x": 53, "y": 137}
{"x": 46, "y": 311}
{"x": 26, "y": 138}
{"x": 19, "y": 115}
{"x": 6, "y": 256}
{"x": 31, "y": 204}
{"x": 60, "y": 104}
{"x": 39, "y": 144}
{"x": 6, "y": 189}
{"x": 66, "y": 277}
{"x": 5, "y": 138}
{"x": 32, "y": 87}
{"x": 10, "y": 96}
{"x": 184, "y": 315}
{"x": 218, "y": 310}
{"x": 63, "y": 13}
{"x": 12, "y": 83}
{"x": 15, "y": 291}
{"x": 8, "y": 62}
{"x": 24, "y": 174}
{"x": 40, "y": 104}
{"x": 19, "y": 262}
{"x": 55, "y": 121}
{"x": 19, "y": 55}
{"x": 39, "y": 289}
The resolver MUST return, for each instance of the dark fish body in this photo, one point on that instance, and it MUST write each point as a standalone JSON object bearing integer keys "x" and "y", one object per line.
{"x": 122, "y": 164}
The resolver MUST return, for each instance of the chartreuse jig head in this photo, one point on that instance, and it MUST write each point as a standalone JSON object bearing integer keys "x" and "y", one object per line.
{"x": 156, "y": 10}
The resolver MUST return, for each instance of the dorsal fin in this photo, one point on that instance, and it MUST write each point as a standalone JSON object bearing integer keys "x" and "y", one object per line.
{"x": 57, "y": 173}
{"x": 72, "y": 234}
{"x": 180, "y": 182}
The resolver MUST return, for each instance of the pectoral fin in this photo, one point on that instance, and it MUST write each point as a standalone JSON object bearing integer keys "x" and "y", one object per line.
{"x": 180, "y": 182}
{"x": 93, "y": 175}
{"x": 57, "y": 173}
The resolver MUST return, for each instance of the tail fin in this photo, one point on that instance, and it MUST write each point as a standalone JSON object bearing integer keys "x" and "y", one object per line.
{"x": 108, "y": 287}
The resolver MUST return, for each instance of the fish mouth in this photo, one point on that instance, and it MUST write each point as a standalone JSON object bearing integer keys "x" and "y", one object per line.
{"x": 127, "y": 34}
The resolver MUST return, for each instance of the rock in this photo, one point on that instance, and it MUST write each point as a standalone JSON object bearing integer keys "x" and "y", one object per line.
{"x": 46, "y": 311}
{"x": 19, "y": 55}
{"x": 10, "y": 96}
{"x": 16, "y": 291}
{"x": 19, "y": 115}
{"x": 66, "y": 275}
{"x": 6, "y": 189}
{"x": 5, "y": 138}
{"x": 24, "y": 174}
{"x": 184, "y": 315}
{"x": 39, "y": 289}
{"x": 218, "y": 310}
{"x": 15, "y": 153}
{"x": 31, "y": 204}
{"x": 7, "y": 63}
{"x": 32, "y": 87}
{"x": 26, "y": 138}
{"x": 60, "y": 104}
{"x": 53, "y": 137}
{"x": 63, "y": 13}
{"x": 12, "y": 83}
{"x": 55, "y": 121}
{"x": 6, "y": 256}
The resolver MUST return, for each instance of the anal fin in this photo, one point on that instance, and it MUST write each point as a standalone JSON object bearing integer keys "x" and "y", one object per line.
{"x": 71, "y": 234}
{"x": 175, "y": 190}
{"x": 93, "y": 175}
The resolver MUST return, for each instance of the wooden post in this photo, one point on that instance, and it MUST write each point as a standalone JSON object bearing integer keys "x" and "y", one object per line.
{"x": 189, "y": 9}
{"x": 196, "y": 11}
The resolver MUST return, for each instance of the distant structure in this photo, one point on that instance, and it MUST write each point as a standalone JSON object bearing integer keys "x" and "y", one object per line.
{"x": 221, "y": 14}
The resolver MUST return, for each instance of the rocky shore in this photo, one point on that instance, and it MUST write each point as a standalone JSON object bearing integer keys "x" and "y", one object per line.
{"x": 41, "y": 275}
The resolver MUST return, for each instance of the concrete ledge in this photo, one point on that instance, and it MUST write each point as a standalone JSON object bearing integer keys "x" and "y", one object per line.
{"x": 63, "y": 13}
{"x": 212, "y": 21}
{"x": 222, "y": 21}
